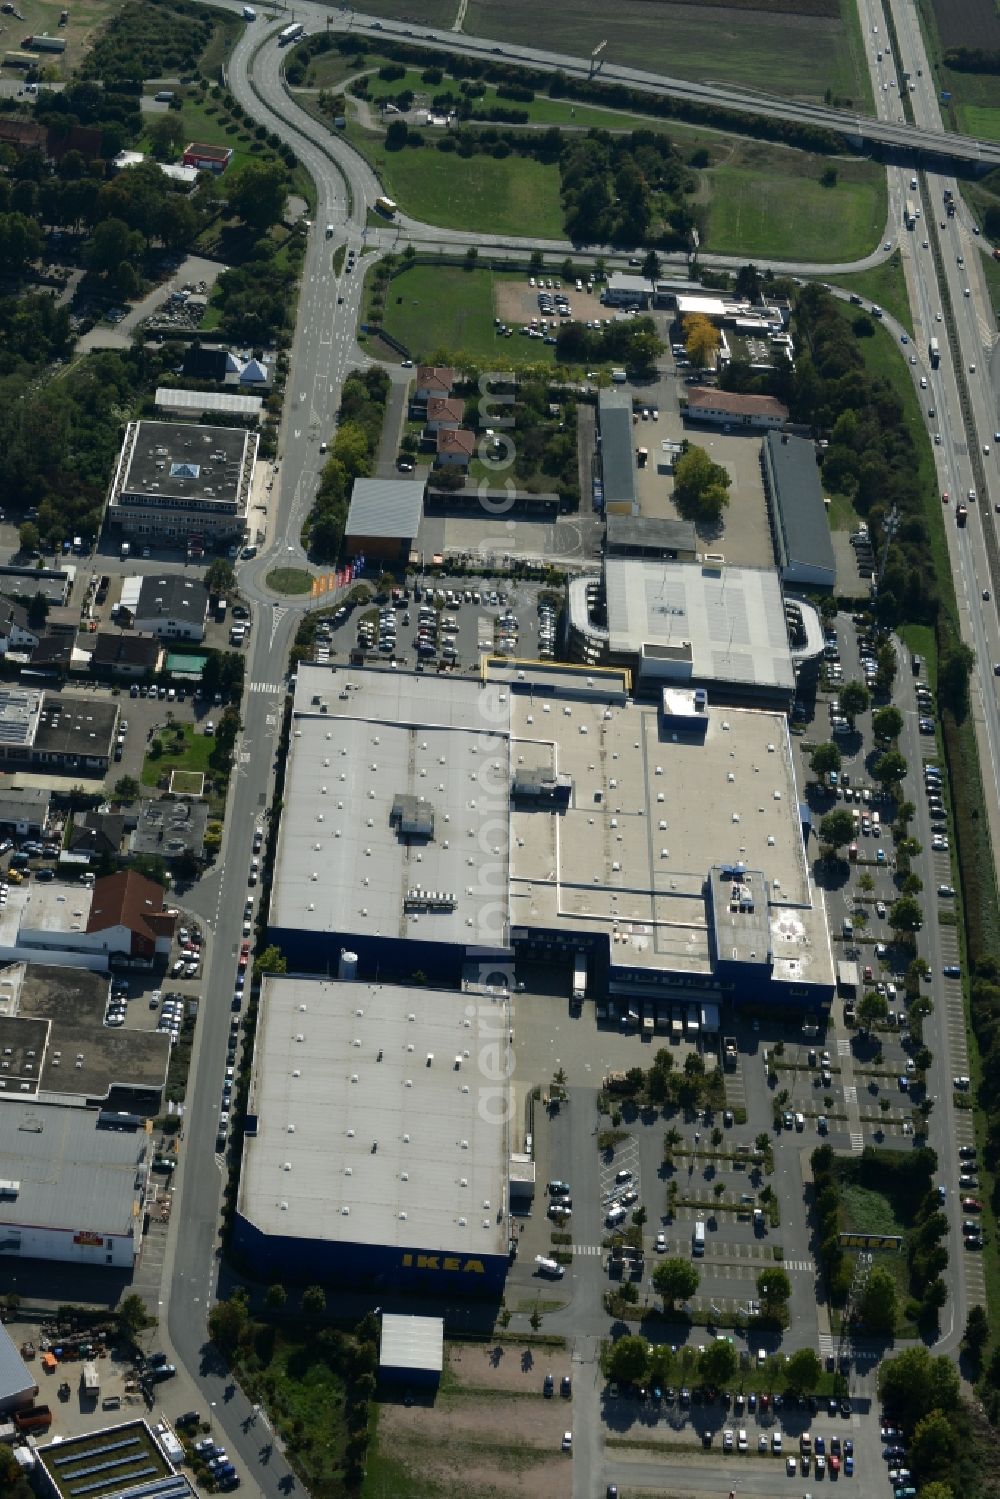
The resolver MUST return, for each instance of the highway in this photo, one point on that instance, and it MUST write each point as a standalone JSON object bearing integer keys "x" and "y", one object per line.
{"x": 925, "y": 143}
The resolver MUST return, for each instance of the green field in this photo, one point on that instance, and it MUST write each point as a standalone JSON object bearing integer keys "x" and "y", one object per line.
{"x": 483, "y": 195}
{"x": 289, "y": 580}
{"x": 205, "y": 121}
{"x": 193, "y": 751}
{"x": 781, "y": 53}
{"x": 765, "y": 202}
{"x": 447, "y": 307}
{"x": 884, "y": 285}
{"x": 868, "y": 1212}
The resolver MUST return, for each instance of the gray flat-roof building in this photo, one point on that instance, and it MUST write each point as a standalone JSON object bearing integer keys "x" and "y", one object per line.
{"x": 18, "y": 1386}
{"x": 172, "y": 607}
{"x": 56, "y": 731}
{"x": 126, "y": 1461}
{"x": 669, "y": 538}
{"x": 800, "y": 529}
{"x": 24, "y": 809}
{"x": 179, "y": 480}
{"x": 73, "y": 1186}
{"x": 618, "y": 470}
{"x": 372, "y": 1154}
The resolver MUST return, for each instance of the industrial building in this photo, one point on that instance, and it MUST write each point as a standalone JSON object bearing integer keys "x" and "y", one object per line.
{"x": 729, "y": 409}
{"x": 131, "y": 1459}
{"x": 54, "y": 731}
{"x": 74, "y": 1185}
{"x": 376, "y": 1144}
{"x": 383, "y": 519}
{"x": 411, "y": 1350}
{"x": 56, "y": 1047}
{"x": 171, "y": 607}
{"x": 18, "y": 1386}
{"x": 119, "y": 919}
{"x": 549, "y": 811}
{"x": 800, "y": 528}
{"x": 692, "y": 624}
{"x": 670, "y": 538}
{"x": 624, "y": 290}
{"x": 180, "y": 481}
{"x": 617, "y": 452}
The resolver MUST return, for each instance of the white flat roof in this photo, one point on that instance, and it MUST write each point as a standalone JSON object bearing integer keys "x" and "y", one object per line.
{"x": 411, "y": 1342}
{"x": 732, "y": 618}
{"x": 341, "y": 864}
{"x": 647, "y": 817}
{"x": 359, "y": 1138}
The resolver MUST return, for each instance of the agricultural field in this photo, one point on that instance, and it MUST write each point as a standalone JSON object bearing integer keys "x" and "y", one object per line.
{"x": 767, "y": 202}
{"x": 967, "y": 23}
{"x": 486, "y": 195}
{"x": 781, "y": 50}
{"x": 42, "y": 16}
{"x": 974, "y": 107}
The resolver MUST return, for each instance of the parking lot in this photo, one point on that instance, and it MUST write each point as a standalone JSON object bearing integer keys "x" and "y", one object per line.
{"x": 450, "y": 625}
{"x": 521, "y": 304}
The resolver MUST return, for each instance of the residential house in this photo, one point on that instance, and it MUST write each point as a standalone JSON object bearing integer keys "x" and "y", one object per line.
{"x": 455, "y": 449}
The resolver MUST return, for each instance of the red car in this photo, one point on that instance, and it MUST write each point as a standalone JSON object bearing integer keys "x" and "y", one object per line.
{"x": 834, "y": 1462}
{"x": 971, "y": 1205}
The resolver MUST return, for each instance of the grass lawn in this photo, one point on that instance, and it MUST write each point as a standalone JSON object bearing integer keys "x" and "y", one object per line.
{"x": 193, "y": 752}
{"x": 867, "y": 1211}
{"x": 780, "y": 53}
{"x": 431, "y": 307}
{"x": 765, "y": 202}
{"x": 884, "y": 285}
{"x": 842, "y": 514}
{"x": 206, "y": 121}
{"x": 483, "y": 194}
{"x": 920, "y": 641}
{"x": 289, "y": 580}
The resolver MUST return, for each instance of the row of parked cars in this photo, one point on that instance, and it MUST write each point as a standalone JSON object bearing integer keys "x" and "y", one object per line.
{"x": 216, "y": 1459}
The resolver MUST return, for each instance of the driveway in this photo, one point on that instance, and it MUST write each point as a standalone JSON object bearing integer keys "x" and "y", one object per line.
{"x": 195, "y": 268}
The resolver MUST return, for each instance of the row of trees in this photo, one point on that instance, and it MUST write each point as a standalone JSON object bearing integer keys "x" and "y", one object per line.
{"x": 352, "y": 452}
{"x": 634, "y": 344}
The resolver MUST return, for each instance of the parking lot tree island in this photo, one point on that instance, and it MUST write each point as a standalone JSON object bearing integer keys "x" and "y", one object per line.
{"x": 675, "y": 1280}
{"x": 701, "y": 487}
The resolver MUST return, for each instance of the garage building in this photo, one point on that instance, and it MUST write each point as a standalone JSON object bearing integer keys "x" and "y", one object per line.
{"x": 800, "y": 529}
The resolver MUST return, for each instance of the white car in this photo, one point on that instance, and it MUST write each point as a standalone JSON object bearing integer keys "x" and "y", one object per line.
{"x": 567, "y": 1441}
{"x": 923, "y": 382}
{"x": 661, "y": 1243}
{"x": 741, "y": 1440}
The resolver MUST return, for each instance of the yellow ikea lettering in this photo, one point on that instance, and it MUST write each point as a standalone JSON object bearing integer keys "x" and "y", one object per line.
{"x": 451, "y": 1263}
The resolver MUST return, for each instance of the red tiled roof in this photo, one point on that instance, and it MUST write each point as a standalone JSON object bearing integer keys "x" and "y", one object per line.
{"x": 436, "y": 378}
{"x": 734, "y": 402}
{"x": 445, "y": 409}
{"x": 461, "y": 441}
{"x": 130, "y": 900}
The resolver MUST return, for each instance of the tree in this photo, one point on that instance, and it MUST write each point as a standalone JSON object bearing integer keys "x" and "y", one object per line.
{"x": 227, "y": 1322}
{"x": 878, "y": 1303}
{"x": 718, "y": 1363}
{"x": 828, "y": 177}
{"x": 628, "y": 1360}
{"x": 112, "y": 244}
{"x": 701, "y": 487}
{"x": 126, "y": 789}
{"x": 824, "y": 759}
{"x": 837, "y": 828}
{"x": 651, "y": 266}
{"x": 220, "y": 577}
{"x": 854, "y": 699}
{"x": 701, "y": 340}
{"x": 890, "y": 769}
{"x": 937, "y": 1491}
{"x": 866, "y": 883}
{"x": 872, "y": 1008}
{"x": 954, "y": 671}
{"x": 28, "y": 538}
{"x": 166, "y": 135}
{"x": 914, "y": 1383}
{"x": 131, "y": 1317}
{"x": 905, "y": 915}
{"x": 271, "y": 960}
{"x": 933, "y": 1447}
{"x": 774, "y": 1288}
{"x": 887, "y": 723}
{"x": 275, "y": 1298}
{"x": 313, "y": 1301}
{"x": 675, "y": 1280}
{"x": 38, "y": 611}
{"x": 257, "y": 193}
{"x": 977, "y": 1333}
{"x": 802, "y": 1371}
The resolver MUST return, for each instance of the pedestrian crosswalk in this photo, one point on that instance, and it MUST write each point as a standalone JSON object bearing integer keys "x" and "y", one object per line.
{"x": 851, "y": 1094}
{"x": 587, "y": 1249}
{"x": 843, "y": 1046}
{"x": 857, "y": 1142}
{"x": 266, "y": 687}
{"x": 826, "y": 1345}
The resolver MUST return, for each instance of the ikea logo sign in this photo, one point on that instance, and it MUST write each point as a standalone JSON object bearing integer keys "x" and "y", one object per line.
{"x": 453, "y": 1263}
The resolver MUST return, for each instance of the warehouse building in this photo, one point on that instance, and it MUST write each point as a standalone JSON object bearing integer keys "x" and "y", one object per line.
{"x": 74, "y": 1185}
{"x": 545, "y": 811}
{"x": 375, "y": 1149}
{"x": 617, "y": 452}
{"x": 178, "y": 481}
{"x": 384, "y": 518}
{"x": 800, "y": 529}
{"x": 411, "y": 1350}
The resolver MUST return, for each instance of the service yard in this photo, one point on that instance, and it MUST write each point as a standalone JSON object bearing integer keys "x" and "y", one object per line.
{"x": 491, "y": 1432}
